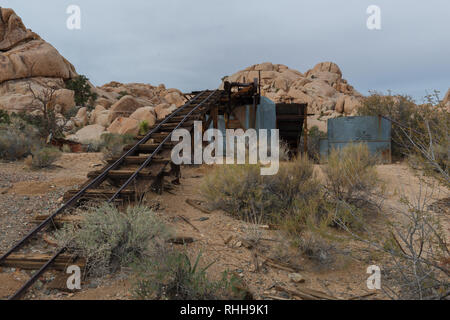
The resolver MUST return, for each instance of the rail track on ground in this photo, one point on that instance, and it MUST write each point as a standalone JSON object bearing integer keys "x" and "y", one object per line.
{"x": 142, "y": 168}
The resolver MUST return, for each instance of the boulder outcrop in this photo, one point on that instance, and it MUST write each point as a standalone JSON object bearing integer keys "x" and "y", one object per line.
{"x": 322, "y": 87}
{"x": 27, "y": 60}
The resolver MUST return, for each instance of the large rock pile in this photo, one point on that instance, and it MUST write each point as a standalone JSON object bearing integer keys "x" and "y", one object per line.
{"x": 27, "y": 60}
{"x": 121, "y": 108}
{"x": 323, "y": 88}
{"x": 446, "y": 100}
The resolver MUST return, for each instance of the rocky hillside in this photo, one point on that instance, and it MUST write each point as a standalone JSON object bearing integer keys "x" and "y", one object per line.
{"x": 120, "y": 108}
{"x": 446, "y": 100}
{"x": 327, "y": 93}
{"x": 26, "y": 59}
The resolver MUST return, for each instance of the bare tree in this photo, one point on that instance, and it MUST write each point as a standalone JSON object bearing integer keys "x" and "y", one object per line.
{"x": 416, "y": 255}
{"x": 43, "y": 100}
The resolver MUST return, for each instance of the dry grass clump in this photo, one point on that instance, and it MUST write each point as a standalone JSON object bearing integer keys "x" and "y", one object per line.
{"x": 316, "y": 248}
{"x": 110, "y": 239}
{"x": 17, "y": 138}
{"x": 351, "y": 174}
{"x": 172, "y": 275}
{"x": 111, "y": 144}
{"x": 43, "y": 157}
{"x": 241, "y": 191}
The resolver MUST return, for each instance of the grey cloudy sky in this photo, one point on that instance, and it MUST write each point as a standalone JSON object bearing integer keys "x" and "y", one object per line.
{"x": 191, "y": 45}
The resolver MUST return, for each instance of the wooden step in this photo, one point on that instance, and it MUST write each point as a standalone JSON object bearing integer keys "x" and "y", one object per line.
{"x": 98, "y": 193}
{"x": 59, "y": 220}
{"x": 173, "y": 125}
{"x": 150, "y": 147}
{"x": 123, "y": 174}
{"x": 187, "y": 110}
{"x": 36, "y": 261}
{"x": 140, "y": 159}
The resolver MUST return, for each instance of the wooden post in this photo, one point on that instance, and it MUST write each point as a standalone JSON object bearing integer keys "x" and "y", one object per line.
{"x": 305, "y": 134}
{"x": 252, "y": 120}
{"x": 215, "y": 117}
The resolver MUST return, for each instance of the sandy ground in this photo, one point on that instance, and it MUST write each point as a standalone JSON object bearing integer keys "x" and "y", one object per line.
{"x": 345, "y": 277}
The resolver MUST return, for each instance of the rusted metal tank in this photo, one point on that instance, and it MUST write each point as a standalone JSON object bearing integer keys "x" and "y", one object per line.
{"x": 372, "y": 130}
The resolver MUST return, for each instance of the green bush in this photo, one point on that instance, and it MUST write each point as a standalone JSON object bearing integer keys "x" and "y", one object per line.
{"x": 4, "y": 117}
{"x": 43, "y": 157}
{"x": 83, "y": 94}
{"x": 17, "y": 139}
{"x": 351, "y": 173}
{"x": 112, "y": 144}
{"x": 110, "y": 239}
{"x": 241, "y": 191}
{"x": 173, "y": 276}
{"x": 315, "y": 247}
{"x": 314, "y": 136}
{"x": 143, "y": 127}
{"x": 44, "y": 125}
{"x": 122, "y": 94}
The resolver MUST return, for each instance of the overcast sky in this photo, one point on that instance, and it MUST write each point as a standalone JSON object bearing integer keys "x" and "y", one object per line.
{"x": 191, "y": 45}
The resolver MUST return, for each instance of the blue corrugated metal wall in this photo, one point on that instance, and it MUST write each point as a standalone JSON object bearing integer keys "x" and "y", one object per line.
{"x": 266, "y": 117}
{"x": 374, "y": 131}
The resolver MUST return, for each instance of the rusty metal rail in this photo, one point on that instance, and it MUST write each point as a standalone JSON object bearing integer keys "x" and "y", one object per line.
{"x": 211, "y": 97}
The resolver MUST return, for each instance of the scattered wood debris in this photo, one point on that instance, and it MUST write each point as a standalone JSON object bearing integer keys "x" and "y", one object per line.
{"x": 199, "y": 205}
{"x": 35, "y": 261}
{"x": 306, "y": 294}
{"x": 181, "y": 240}
{"x": 188, "y": 222}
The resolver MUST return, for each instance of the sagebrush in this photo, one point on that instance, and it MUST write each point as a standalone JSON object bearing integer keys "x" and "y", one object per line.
{"x": 17, "y": 139}
{"x": 43, "y": 157}
{"x": 172, "y": 275}
{"x": 110, "y": 239}
{"x": 241, "y": 191}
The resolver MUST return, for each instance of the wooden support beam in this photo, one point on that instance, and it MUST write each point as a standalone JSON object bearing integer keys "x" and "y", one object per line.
{"x": 215, "y": 117}
{"x": 305, "y": 134}
{"x": 36, "y": 261}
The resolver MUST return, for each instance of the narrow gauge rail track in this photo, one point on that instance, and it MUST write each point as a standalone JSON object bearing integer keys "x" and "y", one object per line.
{"x": 143, "y": 163}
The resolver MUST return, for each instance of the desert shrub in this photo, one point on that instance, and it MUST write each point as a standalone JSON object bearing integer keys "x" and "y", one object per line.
{"x": 173, "y": 276}
{"x": 241, "y": 191}
{"x": 352, "y": 189}
{"x": 351, "y": 174}
{"x": 43, "y": 157}
{"x": 314, "y": 136}
{"x": 285, "y": 154}
{"x": 66, "y": 149}
{"x": 418, "y": 131}
{"x": 17, "y": 139}
{"x": 403, "y": 110}
{"x": 143, "y": 127}
{"x": 112, "y": 144}
{"x": 4, "y": 117}
{"x": 413, "y": 249}
{"x": 122, "y": 94}
{"x": 83, "y": 94}
{"x": 315, "y": 247}
{"x": 110, "y": 239}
